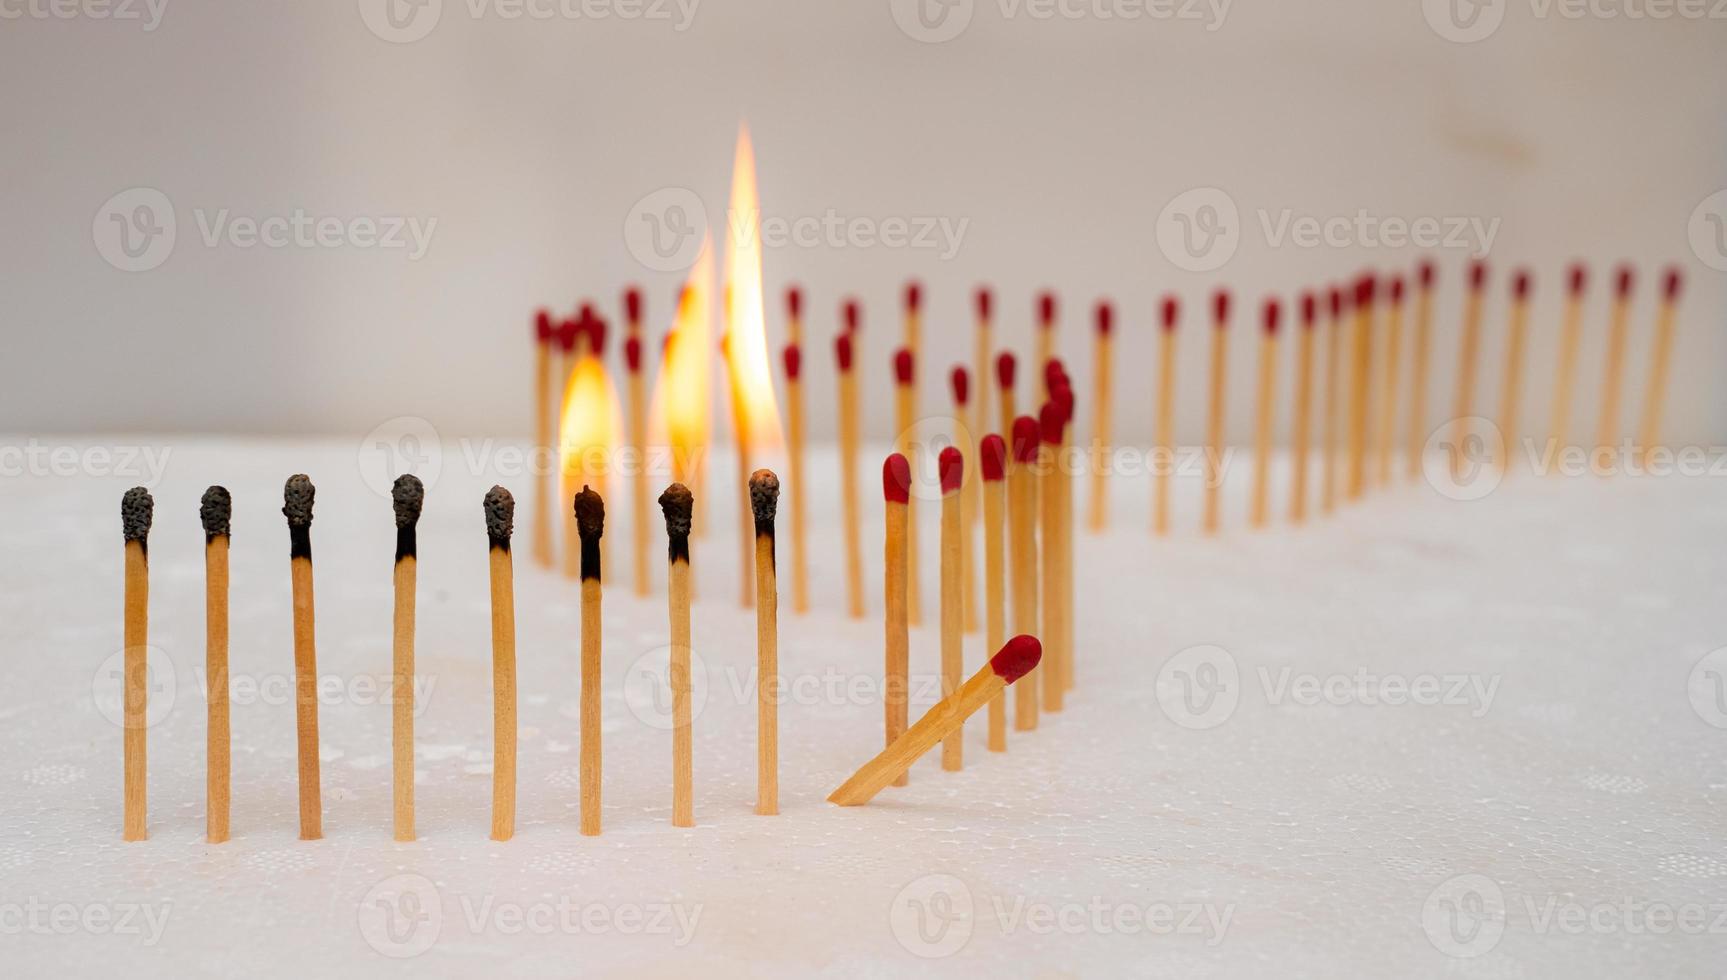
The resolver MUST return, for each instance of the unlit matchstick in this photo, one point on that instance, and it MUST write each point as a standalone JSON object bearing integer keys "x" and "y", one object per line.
{"x": 764, "y": 500}
{"x": 590, "y": 511}
{"x": 677, "y": 504}
{"x": 297, "y": 496}
{"x": 1016, "y": 657}
{"x": 951, "y": 466}
{"x": 896, "y": 491}
{"x": 1360, "y": 386}
{"x": 500, "y": 510}
{"x": 966, "y": 439}
{"x": 1022, "y": 518}
{"x": 845, "y": 358}
{"x": 215, "y": 510}
{"x": 1654, "y": 395}
{"x": 546, "y": 334}
{"x": 1051, "y": 685}
{"x": 1212, "y": 517}
{"x": 1301, "y": 445}
{"x": 1045, "y": 333}
{"x": 1417, "y": 440}
{"x": 793, "y": 358}
{"x": 407, "y": 496}
{"x": 1466, "y": 357}
{"x": 905, "y": 421}
{"x": 639, "y": 440}
{"x": 1261, "y": 500}
{"x": 1102, "y": 388}
{"x": 992, "y": 464}
{"x": 1006, "y": 367}
{"x": 1061, "y": 395}
{"x": 1570, "y": 337}
{"x": 1163, "y": 436}
{"x": 1388, "y": 385}
{"x": 1510, "y": 394}
{"x": 1333, "y": 395}
{"x": 794, "y": 315}
{"x": 984, "y": 300}
{"x": 1607, "y": 429}
{"x": 137, "y": 511}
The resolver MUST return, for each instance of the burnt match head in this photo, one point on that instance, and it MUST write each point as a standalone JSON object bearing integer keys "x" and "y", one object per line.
{"x": 843, "y": 352}
{"x": 764, "y": 500}
{"x": 633, "y": 353}
{"x": 137, "y": 509}
{"x": 678, "y": 504}
{"x": 408, "y": 495}
{"x": 794, "y": 302}
{"x": 1105, "y": 317}
{"x": 215, "y": 510}
{"x": 1273, "y": 317}
{"x": 500, "y": 510}
{"x": 850, "y": 315}
{"x": 633, "y": 304}
{"x": 1520, "y": 285}
{"x": 896, "y": 479}
{"x": 794, "y": 361}
{"x": 1016, "y": 658}
{"x": 1046, "y": 309}
{"x": 984, "y": 299}
{"x": 1026, "y": 436}
{"x": 903, "y": 366}
{"x": 960, "y": 379}
{"x": 992, "y": 457}
{"x": 590, "y": 514}
{"x": 1622, "y": 287}
{"x": 1171, "y": 312}
{"x": 1005, "y": 368}
{"x": 1674, "y": 282}
{"x": 1220, "y": 307}
{"x": 950, "y": 464}
{"x": 297, "y": 496}
{"x": 913, "y": 296}
{"x": 1579, "y": 279}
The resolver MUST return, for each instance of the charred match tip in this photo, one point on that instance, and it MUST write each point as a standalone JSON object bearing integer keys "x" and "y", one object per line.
{"x": 1016, "y": 658}
{"x": 500, "y": 510}
{"x": 1046, "y": 309}
{"x": 408, "y": 495}
{"x": 913, "y": 296}
{"x": 1674, "y": 282}
{"x": 902, "y": 366}
{"x": 678, "y": 504}
{"x": 794, "y": 360}
{"x": 633, "y": 353}
{"x": 590, "y": 514}
{"x": 1026, "y": 436}
{"x": 1520, "y": 284}
{"x": 1005, "y": 368}
{"x": 1049, "y": 422}
{"x": 960, "y": 380}
{"x": 849, "y": 314}
{"x": 992, "y": 457}
{"x": 1397, "y": 289}
{"x": 951, "y": 466}
{"x": 984, "y": 299}
{"x": 216, "y": 509}
{"x": 764, "y": 500}
{"x": 1622, "y": 288}
{"x": 1424, "y": 274}
{"x": 297, "y": 496}
{"x": 1105, "y": 315}
{"x": 794, "y": 302}
{"x": 1171, "y": 312}
{"x": 843, "y": 351}
{"x": 1273, "y": 317}
{"x": 544, "y": 332}
{"x": 1365, "y": 288}
{"x": 1220, "y": 307}
{"x": 1309, "y": 310}
{"x": 633, "y": 304}
{"x": 896, "y": 479}
{"x": 1579, "y": 278}
{"x": 1477, "y": 274}
{"x": 137, "y": 508}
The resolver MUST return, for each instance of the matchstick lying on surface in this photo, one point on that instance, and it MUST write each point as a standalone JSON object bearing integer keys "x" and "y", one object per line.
{"x": 896, "y": 490}
{"x": 1163, "y": 438}
{"x": 1016, "y": 657}
{"x": 297, "y": 496}
{"x": 905, "y": 422}
{"x": 1513, "y": 381}
{"x": 1655, "y": 393}
{"x": 764, "y": 501}
{"x": 1261, "y": 501}
{"x": 844, "y": 357}
{"x": 1417, "y": 441}
{"x": 678, "y": 504}
{"x": 1570, "y": 336}
{"x": 951, "y": 466}
{"x": 591, "y": 526}
{"x": 1101, "y": 419}
{"x": 406, "y": 496}
{"x": 1607, "y": 429}
{"x": 1022, "y": 516}
{"x": 1006, "y": 367}
{"x": 1301, "y": 446}
{"x": 992, "y": 463}
{"x": 793, "y": 357}
{"x": 215, "y": 510}
{"x": 500, "y": 511}
{"x": 1212, "y": 518}
{"x": 137, "y": 511}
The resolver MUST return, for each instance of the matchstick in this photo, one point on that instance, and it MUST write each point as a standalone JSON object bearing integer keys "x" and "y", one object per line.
{"x": 677, "y": 504}
{"x": 1163, "y": 438}
{"x": 848, "y": 432}
{"x": 1102, "y": 387}
{"x": 297, "y": 497}
{"x": 1509, "y": 393}
{"x": 1061, "y": 393}
{"x": 966, "y": 439}
{"x": 764, "y": 500}
{"x": 1016, "y": 657}
{"x": 1654, "y": 394}
{"x": 1607, "y": 430}
{"x": 1006, "y": 367}
{"x": 1466, "y": 357}
{"x": 1022, "y": 516}
{"x": 1214, "y": 416}
{"x": 794, "y": 316}
{"x": 633, "y": 311}
{"x": 406, "y": 496}
{"x": 1417, "y": 443}
{"x": 1570, "y": 337}
{"x": 1051, "y": 684}
{"x": 215, "y": 510}
{"x": 905, "y": 422}
{"x": 590, "y": 512}
{"x": 951, "y": 465}
{"x": 1388, "y": 385}
{"x": 546, "y": 335}
{"x": 896, "y": 491}
{"x": 137, "y": 510}
{"x": 1333, "y": 393}
{"x": 979, "y": 420}
{"x": 1300, "y": 445}
{"x": 992, "y": 463}
{"x": 1360, "y": 386}
{"x": 1261, "y": 501}
{"x": 793, "y": 357}
{"x": 570, "y": 336}
{"x": 914, "y": 318}
{"x": 1045, "y": 332}
{"x": 639, "y": 438}
{"x": 500, "y": 511}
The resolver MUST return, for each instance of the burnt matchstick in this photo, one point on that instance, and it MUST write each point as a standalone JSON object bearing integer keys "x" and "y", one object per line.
{"x": 844, "y": 357}
{"x": 905, "y": 421}
{"x": 1607, "y": 429}
{"x": 590, "y": 512}
{"x": 407, "y": 496}
{"x": 794, "y": 315}
{"x": 1006, "y": 367}
{"x": 764, "y": 501}
{"x": 638, "y": 409}
{"x": 1045, "y": 333}
{"x": 896, "y": 491}
{"x": 297, "y": 496}
{"x": 1417, "y": 438}
{"x": 677, "y": 503}
{"x": 137, "y": 511}
{"x": 1466, "y": 357}
{"x": 992, "y": 463}
{"x": 984, "y": 300}
{"x": 1013, "y": 661}
{"x": 963, "y": 437}
{"x": 1261, "y": 501}
{"x": 951, "y": 467}
{"x": 1570, "y": 337}
{"x": 1333, "y": 396}
{"x": 547, "y": 335}
{"x": 1360, "y": 385}
{"x": 215, "y": 511}
{"x": 1163, "y": 437}
{"x": 1102, "y": 418}
{"x": 1050, "y": 424}
{"x": 500, "y": 510}
{"x": 1022, "y": 517}
{"x": 1301, "y": 444}
{"x": 1510, "y": 393}
{"x": 1654, "y": 394}
{"x": 1213, "y": 515}
{"x": 1388, "y": 385}
{"x": 793, "y": 358}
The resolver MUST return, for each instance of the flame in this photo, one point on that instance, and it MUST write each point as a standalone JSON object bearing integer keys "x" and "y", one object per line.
{"x": 590, "y": 427}
{"x": 681, "y": 413}
{"x": 754, "y": 406}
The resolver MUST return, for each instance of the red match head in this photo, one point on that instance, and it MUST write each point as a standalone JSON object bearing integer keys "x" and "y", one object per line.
{"x": 902, "y": 366}
{"x": 1220, "y": 307}
{"x": 1579, "y": 278}
{"x": 1424, "y": 274}
{"x": 913, "y": 296}
{"x": 1026, "y": 435}
{"x": 1334, "y": 302}
{"x": 849, "y": 315}
{"x": 544, "y": 332}
{"x": 597, "y": 336}
{"x": 1062, "y": 397}
{"x": 1477, "y": 274}
{"x": 794, "y": 302}
{"x": 633, "y": 353}
{"x": 896, "y": 479}
{"x": 567, "y": 332}
{"x": 951, "y": 465}
{"x": 1054, "y": 371}
{"x": 1309, "y": 309}
{"x": 1016, "y": 658}
{"x": 1171, "y": 312}
{"x": 1005, "y": 368}
{"x": 1050, "y": 422}
{"x": 1365, "y": 287}
{"x": 1674, "y": 282}
{"x": 633, "y": 304}
{"x": 1273, "y": 317}
{"x": 794, "y": 359}
{"x": 1046, "y": 309}
{"x": 1622, "y": 288}
{"x": 1105, "y": 317}
{"x": 984, "y": 301}
{"x": 992, "y": 457}
{"x": 843, "y": 352}
{"x": 960, "y": 379}
{"x": 1520, "y": 284}
{"x": 1397, "y": 289}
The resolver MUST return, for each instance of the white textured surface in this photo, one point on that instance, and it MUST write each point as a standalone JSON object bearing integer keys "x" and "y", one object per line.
{"x": 1322, "y": 832}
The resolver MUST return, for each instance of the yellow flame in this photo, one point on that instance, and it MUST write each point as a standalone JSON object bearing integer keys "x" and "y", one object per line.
{"x": 746, "y": 343}
{"x": 682, "y": 414}
{"x": 590, "y": 429}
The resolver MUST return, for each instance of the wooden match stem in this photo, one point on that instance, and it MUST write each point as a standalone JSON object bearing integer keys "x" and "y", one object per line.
{"x": 1301, "y": 446}
{"x": 306, "y": 694}
{"x": 1008, "y": 411}
{"x": 503, "y": 693}
{"x": 217, "y": 751}
{"x": 678, "y": 603}
{"x": 1050, "y": 681}
{"x": 1214, "y": 429}
{"x": 542, "y": 552}
{"x": 969, "y": 505}
{"x": 591, "y": 719}
{"x": 1607, "y": 430}
{"x": 1102, "y": 424}
{"x": 952, "y": 622}
{"x": 1260, "y": 507}
{"x": 1360, "y": 400}
{"x": 951, "y": 713}
{"x": 1510, "y": 393}
{"x": 402, "y": 697}
{"x": 895, "y": 682}
{"x": 905, "y": 403}
{"x": 135, "y": 690}
{"x": 995, "y": 613}
{"x": 1466, "y": 358}
{"x": 1022, "y": 514}
{"x": 848, "y": 422}
{"x": 1329, "y": 422}
{"x": 795, "y": 464}
{"x": 1417, "y": 444}
{"x": 980, "y": 372}
{"x": 1066, "y": 565}
{"x": 1388, "y": 394}
{"x": 639, "y": 489}
{"x": 767, "y": 678}
{"x": 1655, "y": 393}
{"x": 1164, "y": 436}
{"x": 1570, "y": 337}
{"x": 1045, "y": 353}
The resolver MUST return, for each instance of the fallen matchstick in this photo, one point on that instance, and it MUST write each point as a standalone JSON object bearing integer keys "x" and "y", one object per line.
{"x": 764, "y": 501}
{"x": 407, "y": 496}
{"x": 500, "y": 511}
{"x": 297, "y": 497}
{"x": 137, "y": 511}
{"x": 215, "y": 510}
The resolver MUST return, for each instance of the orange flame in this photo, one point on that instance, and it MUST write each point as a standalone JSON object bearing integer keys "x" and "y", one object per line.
{"x": 682, "y": 415}
{"x": 756, "y": 409}
{"x": 590, "y": 428}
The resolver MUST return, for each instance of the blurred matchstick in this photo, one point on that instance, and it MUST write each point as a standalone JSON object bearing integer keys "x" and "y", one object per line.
{"x": 297, "y": 497}
{"x": 1513, "y": 381}
{"x": 896, "y": 491}
{"x": 793, "y": 357}
{"x": 215, "y": 510}
{"x": 1654, "y": 395}
{"x": 1466, "y": 356}
{"x": 1102, "y": 388}
{"x": 639, "y": 438}
{"x": 1006, "y": 366}
{"x": 407, "y": 497}
{"x": 1045, "y": 333}
{"x": 1388, "y": 384}
{"x": 764, "y": 500}
{"x": 1061, "y": 394}
{"x": 966, "y": 439}
{"x": 1333, "y": 392}
{"x": 1570, "y": 337}
{"x": 979, "y": 420}
{"x": 794, "y": 316}
{"x": 137, "y": 511}
{"x": 905, "y": 422}
{"x": 1607, "y": 430}
{"x": 546, "y": 335}
{"x": 1050, "y": 422}
{"x": 1163, "y": 438}
{"x": 1260, "y": 506}
{"x": 951, "y": 465}
{"x": 590, "y": 511}
{"x": 677, "y": 504}
{"x": 1301, "y": 446}
{"x": 1214, "y": 415}
{"x": 844, "y": 356}
{"x": 633, "y": 311}
{"x": 1418, "y": 370}
{"x": 500, "y": 510}
{"x": 992, "y": 463}
{"x": 1360, "y": 386}
{"x": 1022, "y": 516}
